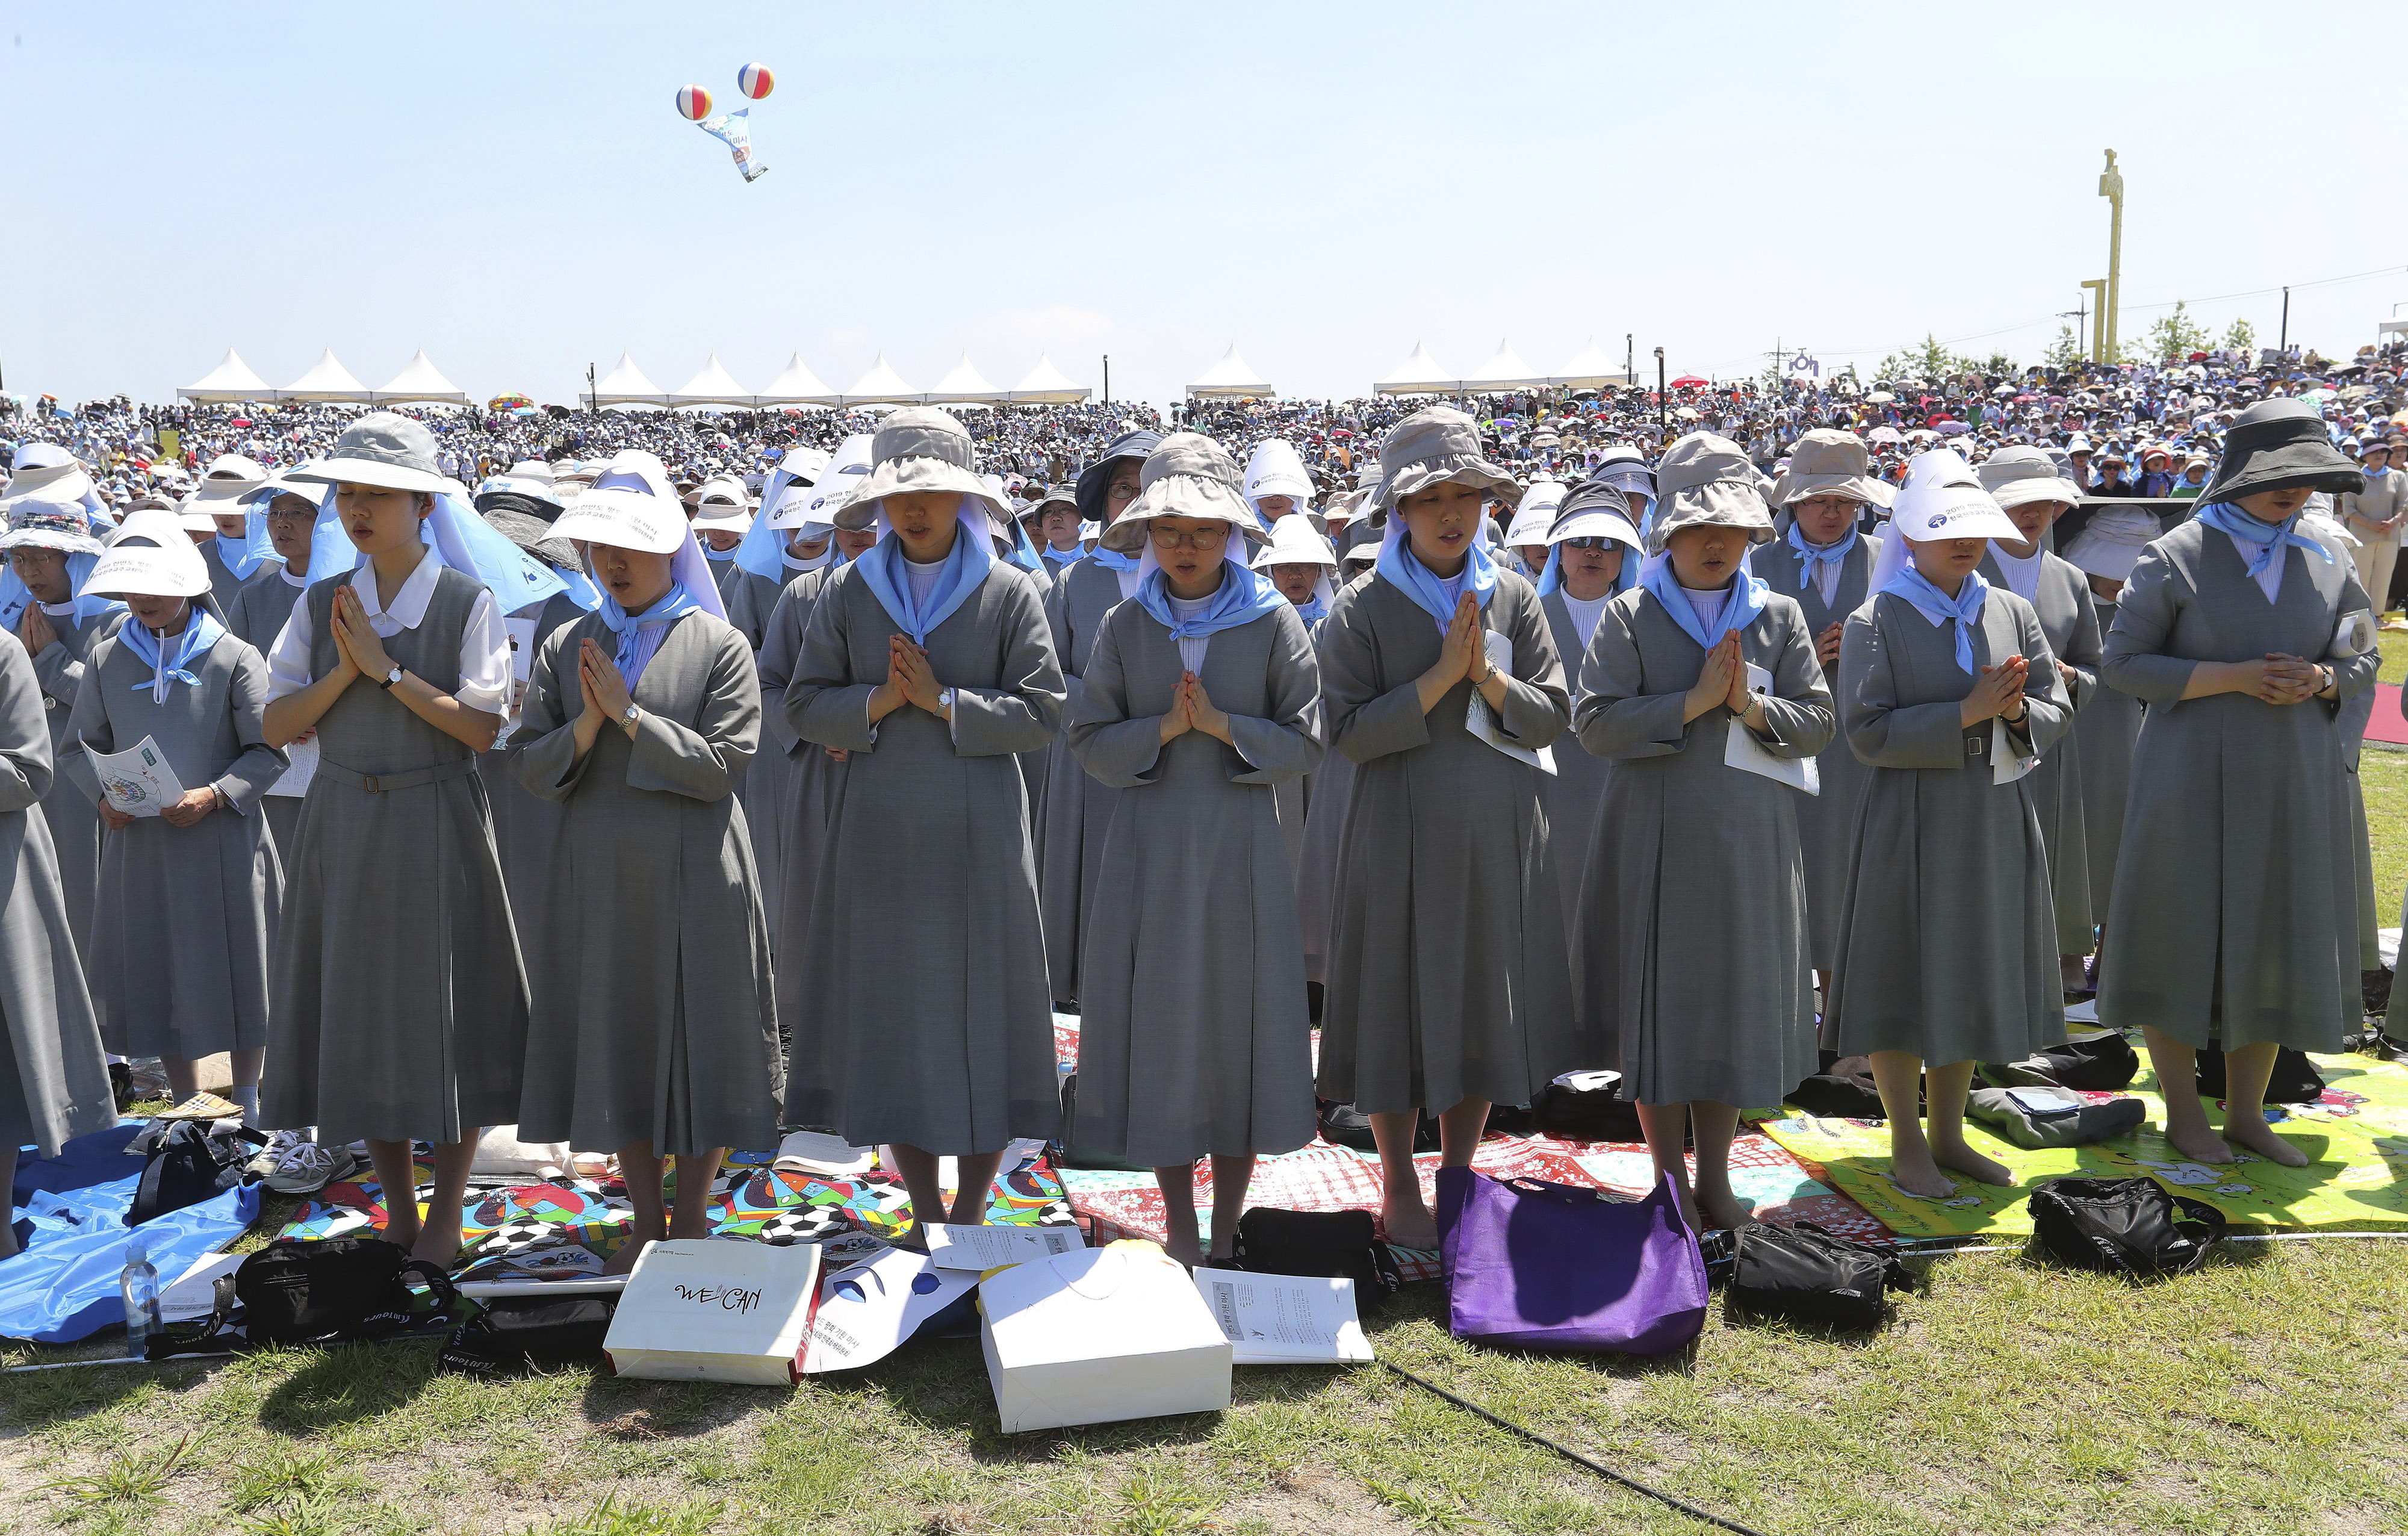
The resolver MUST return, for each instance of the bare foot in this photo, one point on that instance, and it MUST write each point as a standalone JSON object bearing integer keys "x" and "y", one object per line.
{"x": 1725, "y": 1213}
{"x": 913, "y": 1238}
{"x": 1916, "y": 1174}
{"x": 2199, "y": 1143}
{"x": 2260, "y": 1137}
{"x": 1184, "y": 1249}
{"x": 437, "y": 1245}
{"x": 1409, "y": 1225}
{"x": 1221, "y": 1254}
{"x": 624, "y": 1261}
{"x": 400, "y": 1234}
{"x": 1965, "y": 1161}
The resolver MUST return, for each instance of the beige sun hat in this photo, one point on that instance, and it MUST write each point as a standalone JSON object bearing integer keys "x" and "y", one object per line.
{"x": 1703, "y": 479}
{"x": 2014, "y": 475}
{"x": 1435, "y": 446}
{"x": 1828, "y": 461}
{"x": 1187, "y": 475}
{"x": 380, "y": 449}
{"x": 921, "y": 448}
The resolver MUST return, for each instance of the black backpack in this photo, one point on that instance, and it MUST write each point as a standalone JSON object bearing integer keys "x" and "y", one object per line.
{"x": 509, "y": 1332}
{"x": 189, "y": 1165}
{"x": 2295, "y": 1080}
{"x": 1811, "y": 1275}
{"x": 335, "y": 1291}
{"x": 2130, "y": 1226}
{"x": 1843, "y": 1090}
{"x": 2102, "y": 1062}
{"x": 1586, "y": 1115}
{"x": 1318, "y": 1242}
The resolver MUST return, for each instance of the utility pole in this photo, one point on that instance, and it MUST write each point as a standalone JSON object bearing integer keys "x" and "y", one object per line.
{"x": 2283, "y": 347}
{"x": 1629, "y": 360}
{"x": 592, "y": 390}
{"x": 2110, "y": 186}
{"x": 2078, "y": 314}
{"x": 2097, "y": 287}
{"x": 1663, "y": 396}
{"x": 1108, "y": 379}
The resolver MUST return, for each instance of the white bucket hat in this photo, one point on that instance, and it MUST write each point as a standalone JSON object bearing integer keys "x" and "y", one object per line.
{"x": 380, "y": 449}
{"x": 49, "y": 521}
{"x": 1295, "y": 542}
{"x": 635, "y": 517}
{"x": 150, "y": 558}
{"x": 921, "y": 448}
{"x": 1187, "y": 475}
{"x": 2110, "y": 544}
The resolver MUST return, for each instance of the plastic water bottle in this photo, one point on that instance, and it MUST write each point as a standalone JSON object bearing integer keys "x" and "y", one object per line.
{"x": 140, "y": 1285}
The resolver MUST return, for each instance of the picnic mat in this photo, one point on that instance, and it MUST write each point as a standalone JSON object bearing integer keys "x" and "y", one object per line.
{"x": 2356, "y": 1140}
{"x": 2385, "y": 723}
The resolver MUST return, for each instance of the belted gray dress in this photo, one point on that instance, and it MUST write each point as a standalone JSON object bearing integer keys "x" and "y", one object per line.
{"x": 260, "y": 607}
{"x": 925, "y": 1018}
{"x": 526, "y": 827}
{"x": 2234, "y": 919}
{"x": 69, "y": 806}
{"x": 1324, "y": 828}
{"x": 1948, "y": 936}
{"x": 1573, "y": 796}
{"x": 180, "y": 966}
{"x": 1078, "y": 805}
{"x": 804, "y": 817}
{"x": 765, "y": 783}
{"x": 400, "y": 1004}
{"x": 654, "y": 1017}
{"x": 2105, "y": 733}
{"x": 1447, "y": 974}
{"x": 2062, "y": 599}
{"x": 1826, "y": 823}
{"x": 1194, "y": 1036}
{"x": 1694, "y": 962}
{"x": 53, "y": 1081}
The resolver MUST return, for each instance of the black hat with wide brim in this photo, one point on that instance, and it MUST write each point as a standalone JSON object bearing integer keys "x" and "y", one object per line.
{"x": 2276, "y": 445}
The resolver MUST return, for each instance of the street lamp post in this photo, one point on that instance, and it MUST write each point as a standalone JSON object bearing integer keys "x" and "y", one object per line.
{"x": 1663, "y": 396}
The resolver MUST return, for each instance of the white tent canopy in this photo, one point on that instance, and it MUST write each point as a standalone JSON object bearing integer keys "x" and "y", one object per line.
{"x": 1045, "y": 386}
{"x": 797, "y": 386}
{"x": 230, "y": 379}
{"x": 1418, "y": 375}
{"x": 1590, "y": 369}
{"x": 327, "y": 379}
{"x": 421, "y": 380}
{"x": 881, "y": 385}
{"x": 964, "y": 385}
{"x": 626, "y": 385}
{"x": 712, "y": 387}
{"x": 1504, "y": 370}
{"x": 1230, "y": 379}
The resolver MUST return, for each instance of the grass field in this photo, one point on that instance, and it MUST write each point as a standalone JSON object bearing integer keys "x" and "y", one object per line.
{"x": 2268, "y": 1393}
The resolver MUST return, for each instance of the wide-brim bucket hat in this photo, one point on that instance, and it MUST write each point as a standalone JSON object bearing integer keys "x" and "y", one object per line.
{"x": 1295, "y": 542}
{"x": 1187, "y": 475}
{"x": 1827, "y": 462}
{"x": 2017, "y": 476}
{"x": 380, "y": 449}
{"x": 2110, "y": 544}
{"x": 2276, "y": 445}
{"x": 921, "y": 450}
{"x": 1705, "y": 481}
{"x": 1437, "y": 445}
{"x": 49, "y": 523}
{"x": 1095, "y": 480}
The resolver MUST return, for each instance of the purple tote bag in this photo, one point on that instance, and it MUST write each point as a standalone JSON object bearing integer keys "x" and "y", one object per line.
{"x": 1551, "y": 1266}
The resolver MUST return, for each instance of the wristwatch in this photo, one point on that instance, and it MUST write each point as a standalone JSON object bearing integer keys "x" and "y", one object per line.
{"x": 631, "y": 715}
{"x": 390, "y": 679}
{"x": 945, "y": 702}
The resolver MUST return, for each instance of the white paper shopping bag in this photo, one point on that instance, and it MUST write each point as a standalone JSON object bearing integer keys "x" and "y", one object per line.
{"x": 716, "y": 1311}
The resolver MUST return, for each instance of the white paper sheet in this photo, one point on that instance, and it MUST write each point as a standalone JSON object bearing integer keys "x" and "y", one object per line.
{"x": 296, "y": 781}
{"x": 138, "y": 781}
{"x": 521, "y": 632}
{"x": 1742, "y": 751}
{"x": 1283, "y": 1319}
{"x": 867, "y": 1312}
{"x": 193, "y": 1294}
{"x": 2005, "y": 766}
{"x": 981, "y": 1248}
{"x": 1482, "y": 722}
{"x": 2355, "y": 635}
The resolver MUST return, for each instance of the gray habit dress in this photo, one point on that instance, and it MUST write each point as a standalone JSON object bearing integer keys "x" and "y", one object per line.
{"x": 526, "y": 827}
{"x": 1695, "y": 962}
{"x": 400, "y": 1004}
{"x": 653, "y": 1018}
{"x": 257, "y": 616}
{"x": 927, "y": 1018}
{"x": 765, "y": 783}
{"x": 53, "y": 1083}
{"x": 1078, "y": 805}
{"x": 2062, "y": 599}
{"x": 1194, "y": 1038}
{"x": 814, "y": 780}
{"x": 1324, "y": 828}
{"x": 2235, "y": 912}
{"x": 71, "y": 807}
{"x": 181, "y": 968}
{"x": 1948, "y": 936}
{"x": 1826, "y": 823}
{"x": 1573, "y": 796}
{"x": 2105, "y": 732}
{"x": 1447, "y": 974}
{"x": 223, "y": 582}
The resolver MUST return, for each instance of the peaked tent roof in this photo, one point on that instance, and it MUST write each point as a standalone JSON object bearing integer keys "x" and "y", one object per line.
{"x": 1230, "y": 379}
{"x": 964, "y": 385}
{"x": 1416, "y": 375}
{"x": 230, "y": 379}
{"x": 797, "y": 386}
{"x": 626, "y": 385}
{"x": 1045, "y": 386}
{"x": 1590, "y": 369}
{"x": 881, "y": 385}
{"x": 327, "y": 379}
{"x": 711, "y": 387}
{"x": 1504, "y": 370}
{"x": 421, "y": 380}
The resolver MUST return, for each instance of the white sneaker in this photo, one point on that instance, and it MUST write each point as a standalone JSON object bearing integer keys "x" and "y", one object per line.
{"x": 263, "y": 1162}
{"x": 305, "y": 1168}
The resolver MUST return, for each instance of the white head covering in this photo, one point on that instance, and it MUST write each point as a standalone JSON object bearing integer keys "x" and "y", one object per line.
{"x": 170, "y": 566}
{"x": 1942, "y": 498}
{"x": 723, "y": 505}
{"x": 635, "y": 516}
{"x": 1294, "y": 541}
{"x": 2110, "y": 544}
{"x": 1276, "y": 469}
{"x": 1536, "y": 513}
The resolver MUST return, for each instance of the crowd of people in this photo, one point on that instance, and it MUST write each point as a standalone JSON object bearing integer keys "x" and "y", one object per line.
{"x": 654, "y": 782}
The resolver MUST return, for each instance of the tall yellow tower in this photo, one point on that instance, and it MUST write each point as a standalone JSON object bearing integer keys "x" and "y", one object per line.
{"x": 2110, "y": 186}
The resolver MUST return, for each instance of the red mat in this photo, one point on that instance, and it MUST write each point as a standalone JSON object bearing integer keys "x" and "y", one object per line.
{"x": 2386, "y": 724}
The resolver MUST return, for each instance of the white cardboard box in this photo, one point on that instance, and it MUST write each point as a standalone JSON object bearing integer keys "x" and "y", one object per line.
{"x": 717, "y": 1310}
{"x": 1100, "y": 1334}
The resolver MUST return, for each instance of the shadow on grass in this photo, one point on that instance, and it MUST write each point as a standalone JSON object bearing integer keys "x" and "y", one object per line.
{"x": 347, "y": 1383}
{"x": 635, "y": 1409}
{"x": 44, "y": 1399}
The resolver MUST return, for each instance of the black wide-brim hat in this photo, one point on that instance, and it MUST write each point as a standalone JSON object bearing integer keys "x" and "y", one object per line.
{"x": 2276, "y": 445}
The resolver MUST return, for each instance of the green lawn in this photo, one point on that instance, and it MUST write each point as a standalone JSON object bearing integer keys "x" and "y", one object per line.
{"x": 2268, "y": 1393}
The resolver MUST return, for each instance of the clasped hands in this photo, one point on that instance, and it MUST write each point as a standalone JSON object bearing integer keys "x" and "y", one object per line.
{"x": 908, "y": 681}
{"x": 1723, "y": 681}
{"x": 1192, "y": 710}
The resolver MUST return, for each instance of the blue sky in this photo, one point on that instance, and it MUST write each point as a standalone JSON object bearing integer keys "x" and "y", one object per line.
{"x": 509, "y": 187}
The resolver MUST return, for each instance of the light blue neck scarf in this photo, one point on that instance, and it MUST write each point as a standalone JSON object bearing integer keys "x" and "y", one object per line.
{"x": 1937, "y": 606}
{"x": 965, "y": 571}
{"x": 2273, "y": 536}
{"x": 1312, "y": 612}
{"x": 1747, "y": 600}
{"x": 1810, "y": 557}
{"x": 201, "y": 631}
{"x": 1405, "y": 571}
{"x": 1112, "y": 559}
{"x": 640, "y": 634}
{"x": 1241, "y": 598}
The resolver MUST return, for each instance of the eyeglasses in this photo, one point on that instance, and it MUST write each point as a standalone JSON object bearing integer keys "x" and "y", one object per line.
{"x": 1122, "y": 493}
{"x": 1202, "y": 538}
{"x": 1594, "y": 541}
